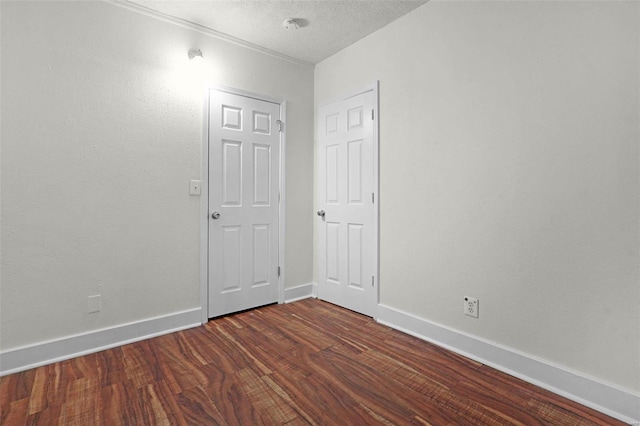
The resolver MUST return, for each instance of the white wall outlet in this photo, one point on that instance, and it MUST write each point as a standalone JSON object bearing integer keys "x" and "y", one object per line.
{"x": 194, "y": 187}
{"x": 471, "y": 306}
{"x": 94, "y": 304}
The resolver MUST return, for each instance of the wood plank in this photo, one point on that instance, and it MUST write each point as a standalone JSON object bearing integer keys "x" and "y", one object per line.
{"x": 198, "y": 408}
{"x": 120, "y": 404}
{"x": 82, "y": 403}
{"x": 17, "y": 386}
{"x": 159, "y": 406}
{"x": 111, "y": 367}
{"x": 271, "y": 406}
{"x": 140, "y": 364}
{"x": 320, "y": 400}
{"x": 14, "y": 413}
{"x": 232, "y": 403}
{"x": 38, "y": 398}
{"x": 52, "y": 415}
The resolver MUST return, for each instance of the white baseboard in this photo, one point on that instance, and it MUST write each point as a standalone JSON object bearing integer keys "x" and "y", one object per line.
{"x": 303, "y": 291}
{"x": 609, "y": 399}
{"x": 31, "y": 356}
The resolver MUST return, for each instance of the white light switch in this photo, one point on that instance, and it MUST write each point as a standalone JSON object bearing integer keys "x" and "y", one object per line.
{"x": 194, "y": 187}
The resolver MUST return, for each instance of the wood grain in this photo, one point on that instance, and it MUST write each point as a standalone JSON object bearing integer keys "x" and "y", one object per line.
{"x": 305, "y": 363}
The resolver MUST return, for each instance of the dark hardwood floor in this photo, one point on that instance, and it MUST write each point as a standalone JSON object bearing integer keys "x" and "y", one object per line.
{"x": 303, "y": 363}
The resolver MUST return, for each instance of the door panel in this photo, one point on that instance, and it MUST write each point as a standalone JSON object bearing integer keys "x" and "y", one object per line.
{"x": 347, "y": 242}
{"x": 231, "y": 258}
{"x": 355, "y": 255}
{"x": 333, "y": 252}
{"x": 261, "y": 255}
{"x": 354, "y": 172}
{"x": 244, "y": 155}
{"x": 232, "y": 173}
{"x": 262, "y": 175}
{"x": 332, "y": 177}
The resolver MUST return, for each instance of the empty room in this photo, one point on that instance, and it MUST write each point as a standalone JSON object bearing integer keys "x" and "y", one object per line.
{"x": 299, "y": 212}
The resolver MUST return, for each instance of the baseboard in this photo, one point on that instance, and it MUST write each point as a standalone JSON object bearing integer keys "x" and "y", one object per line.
{"x": 606, "y": 398}
{"x": 31, "y": 356}
{"x": 303, "y": 291}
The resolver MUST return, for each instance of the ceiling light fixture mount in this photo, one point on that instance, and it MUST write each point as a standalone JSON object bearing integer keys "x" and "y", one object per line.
{"x": 291, "y": 24}
{"x": 195, "y": 54}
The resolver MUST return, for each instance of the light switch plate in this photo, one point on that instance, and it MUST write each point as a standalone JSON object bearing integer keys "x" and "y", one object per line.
{"x": 94, "y": 304}
{"x": 194, "y": 187}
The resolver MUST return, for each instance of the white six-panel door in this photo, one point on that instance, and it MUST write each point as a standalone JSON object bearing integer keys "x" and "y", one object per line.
{"x": 347, "y": 238}
{"x": 244, "y": 155}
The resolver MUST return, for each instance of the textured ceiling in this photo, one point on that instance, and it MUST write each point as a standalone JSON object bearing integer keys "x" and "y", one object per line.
{"x": 332, "y": 24}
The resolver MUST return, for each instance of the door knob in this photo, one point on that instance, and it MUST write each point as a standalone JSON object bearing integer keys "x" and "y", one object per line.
{"x": 320, "y": 213}
{"x": 215, "y": 215}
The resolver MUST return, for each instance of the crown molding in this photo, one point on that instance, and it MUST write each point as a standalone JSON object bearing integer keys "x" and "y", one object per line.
{"x": 205, "y": 30}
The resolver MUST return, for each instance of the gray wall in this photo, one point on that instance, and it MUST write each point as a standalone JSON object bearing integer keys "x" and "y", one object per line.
{"x": 509, "y": 171}
{"x": 101, "y": 133}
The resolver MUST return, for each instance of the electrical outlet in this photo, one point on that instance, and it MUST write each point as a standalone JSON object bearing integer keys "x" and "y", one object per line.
{"x": 94, "y": 304}
{"x": 471, "y": 306}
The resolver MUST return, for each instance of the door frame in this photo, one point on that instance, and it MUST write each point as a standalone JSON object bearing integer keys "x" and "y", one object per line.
{"x": 204, "y": 193}
{"x": 375, "y": 88}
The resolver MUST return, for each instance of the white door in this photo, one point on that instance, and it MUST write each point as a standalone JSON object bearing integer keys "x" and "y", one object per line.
{"x": 244, "y": 155}
{"x": 347, "y": 261}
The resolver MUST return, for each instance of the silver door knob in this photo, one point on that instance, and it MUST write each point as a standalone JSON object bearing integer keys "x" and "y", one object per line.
{"x": 215, "y": 215}
{"x": 320, "y": 213}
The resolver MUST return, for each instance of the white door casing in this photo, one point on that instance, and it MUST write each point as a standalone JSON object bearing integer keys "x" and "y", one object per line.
{"x": 346, "y": 199}
{"x": 243, "y": 202}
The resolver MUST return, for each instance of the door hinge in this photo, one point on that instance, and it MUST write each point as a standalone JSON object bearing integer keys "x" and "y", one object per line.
{"x": 278, "y": 271}
{"x": 373, "y": 197}
{"x": 372, "y": 281}
{"x": 280, "y": 124}
{"x": 372, "y": 114}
